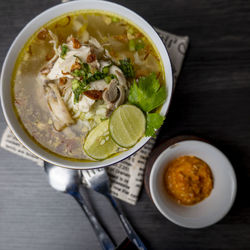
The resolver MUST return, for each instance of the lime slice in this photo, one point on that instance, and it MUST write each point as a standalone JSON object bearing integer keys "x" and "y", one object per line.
{"x": 99, "y": 144}
{"x": 127, "y": 125}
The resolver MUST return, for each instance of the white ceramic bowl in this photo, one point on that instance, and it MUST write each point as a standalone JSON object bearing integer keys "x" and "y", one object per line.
{"x": 211, "y": 209}
{"x": 32, "y": 27}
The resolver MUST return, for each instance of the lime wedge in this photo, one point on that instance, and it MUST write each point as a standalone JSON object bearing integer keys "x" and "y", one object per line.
{"x": 127, "y": 125}
{"x": 99, "y": 144}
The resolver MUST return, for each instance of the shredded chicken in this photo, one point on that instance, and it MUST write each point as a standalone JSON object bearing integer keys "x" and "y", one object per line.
{"x": 97, "y": 48}
{"x": 98, "y": 85}
{"x": 56, "y": 78}
{"x": 54, "y": 41}
{"x": 60, "y": 114}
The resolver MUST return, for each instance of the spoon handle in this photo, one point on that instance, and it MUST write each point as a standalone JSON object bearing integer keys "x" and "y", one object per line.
{"x": 104, "y": 239}
{"x": 132, "y": 235}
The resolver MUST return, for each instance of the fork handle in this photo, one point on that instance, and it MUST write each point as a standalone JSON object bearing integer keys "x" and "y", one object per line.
{"x": 132, "y": 235}
{"x": 104, "y": 239}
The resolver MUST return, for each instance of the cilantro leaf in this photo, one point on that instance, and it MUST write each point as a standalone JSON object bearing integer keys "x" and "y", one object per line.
{"x": 154, "y": 122}
{"x": 64, "y": 50}
{"x": 127, "y": 68}
{"x": 147, "y": 94}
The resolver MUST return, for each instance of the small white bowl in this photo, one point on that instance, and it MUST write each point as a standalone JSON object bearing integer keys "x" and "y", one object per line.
{"x": 211, "y": 209}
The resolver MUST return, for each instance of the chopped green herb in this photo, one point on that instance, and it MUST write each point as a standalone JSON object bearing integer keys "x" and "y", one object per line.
{"x": 105, "y": 70}
{"x": 127, "y": 68}
{"x": 113, "y": 76}
{"x": 139, "y": 45}
{"x": 78, "y": 73}
{"x": 84, "y": 77}
{"x": 96, "y": 76}
{"x": 78, "y": 87}
{"x": 136, "y": 45}
{"x": 108, "y": 78}
{"x": 64, "y": 50}
{"x": 86, "y": 68}
{"x": 131, "y": 45}
{"x": 115, "y": 19}
{"x": 89, "y": 75}
{"x": 83, "y": 72}
{"x": 147, "y": 94}
{"x": 75, "y": 84}
{"x": 154, "y": 122}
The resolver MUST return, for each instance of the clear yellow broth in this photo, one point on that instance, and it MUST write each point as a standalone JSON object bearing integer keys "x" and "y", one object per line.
{"x": 112, "y": 32}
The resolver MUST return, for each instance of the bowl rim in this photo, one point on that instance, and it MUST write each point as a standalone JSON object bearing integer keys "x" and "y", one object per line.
{"x": 175, "y": 220}
{"x": 61, "y": 9}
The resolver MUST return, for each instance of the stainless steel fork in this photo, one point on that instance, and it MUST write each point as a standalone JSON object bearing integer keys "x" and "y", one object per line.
{"x": 98, "y": 180}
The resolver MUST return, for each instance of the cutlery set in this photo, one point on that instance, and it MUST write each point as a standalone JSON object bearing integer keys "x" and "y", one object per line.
{"x": 70, "y": 181}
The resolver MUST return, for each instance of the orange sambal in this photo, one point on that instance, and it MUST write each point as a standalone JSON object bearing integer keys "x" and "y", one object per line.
{"x": 188, "y": 180}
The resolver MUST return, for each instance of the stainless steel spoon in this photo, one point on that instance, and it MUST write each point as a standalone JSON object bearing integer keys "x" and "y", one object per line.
{"x": 68, "y": 181}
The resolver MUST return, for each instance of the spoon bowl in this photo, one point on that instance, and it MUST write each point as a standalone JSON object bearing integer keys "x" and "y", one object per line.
{"x": 62, "y": 179}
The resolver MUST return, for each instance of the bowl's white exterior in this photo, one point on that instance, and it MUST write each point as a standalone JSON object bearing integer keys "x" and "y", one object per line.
{"x": 211, "y": 209}
{"x": 26, "y": 33}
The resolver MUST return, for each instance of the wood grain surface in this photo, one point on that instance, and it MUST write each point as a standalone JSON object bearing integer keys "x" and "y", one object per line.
{"x": 212, "y": 101}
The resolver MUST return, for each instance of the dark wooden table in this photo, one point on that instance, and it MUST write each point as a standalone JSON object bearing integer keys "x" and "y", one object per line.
{"x": 212, "y": 100}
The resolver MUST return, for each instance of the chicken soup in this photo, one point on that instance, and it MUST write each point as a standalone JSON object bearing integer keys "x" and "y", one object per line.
{"x": 89, "y": 85}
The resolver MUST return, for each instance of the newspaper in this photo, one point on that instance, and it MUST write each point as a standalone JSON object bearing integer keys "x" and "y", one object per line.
{"x": 127, "y": 176}
{"x": 10, "y": 143}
